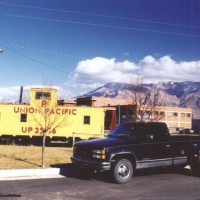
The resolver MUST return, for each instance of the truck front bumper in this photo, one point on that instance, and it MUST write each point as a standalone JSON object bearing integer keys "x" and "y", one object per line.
{"x": 97, "y": 165}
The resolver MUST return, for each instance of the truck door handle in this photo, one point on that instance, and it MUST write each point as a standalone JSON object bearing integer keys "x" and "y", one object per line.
{"x": 167, "y": 145}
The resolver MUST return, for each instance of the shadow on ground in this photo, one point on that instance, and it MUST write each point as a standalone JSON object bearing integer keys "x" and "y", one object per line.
{"x": 72, "y": 171}
{"x": 163, "y": 170}
{"x": 20, "y": 159}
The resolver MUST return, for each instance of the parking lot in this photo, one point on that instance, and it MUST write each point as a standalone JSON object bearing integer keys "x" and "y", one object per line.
{"x": 145, "y": 185}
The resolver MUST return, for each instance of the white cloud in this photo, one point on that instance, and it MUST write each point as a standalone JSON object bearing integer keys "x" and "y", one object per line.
{"x": 92, "y": 73}
{"x": 167, "y": 69}
{"x": 11, "y": 94}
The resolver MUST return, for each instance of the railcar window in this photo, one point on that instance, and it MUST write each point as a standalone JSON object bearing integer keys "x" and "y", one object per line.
{"x": 43, "y": 95}
{"x": 86, "y": 120}
{"x": 23, "y": 118}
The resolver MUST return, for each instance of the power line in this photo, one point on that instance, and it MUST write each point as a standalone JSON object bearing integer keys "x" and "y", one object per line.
{"x": 102, "y": 25}
{"x": 36, "y": 60}
{"x": 41, "y": 50}
{"x": 106, "y": 16}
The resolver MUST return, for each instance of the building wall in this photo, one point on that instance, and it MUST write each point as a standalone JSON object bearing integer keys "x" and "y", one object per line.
{"x": 100, "y": 101}
{"x": 176, "y": 118}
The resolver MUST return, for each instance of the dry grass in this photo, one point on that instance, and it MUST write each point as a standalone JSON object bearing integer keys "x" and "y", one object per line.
{"x": 29, "y": 157}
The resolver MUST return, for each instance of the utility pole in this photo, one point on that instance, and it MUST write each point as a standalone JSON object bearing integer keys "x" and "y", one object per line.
{"x": 119, "y": 113}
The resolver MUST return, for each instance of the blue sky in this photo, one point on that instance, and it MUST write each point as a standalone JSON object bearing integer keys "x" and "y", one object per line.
{"x": 79, "y": 45}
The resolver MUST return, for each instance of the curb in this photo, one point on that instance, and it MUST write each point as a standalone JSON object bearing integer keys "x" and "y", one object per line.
{"x": 24, "y": 174}
{"x": 19, "y": 174}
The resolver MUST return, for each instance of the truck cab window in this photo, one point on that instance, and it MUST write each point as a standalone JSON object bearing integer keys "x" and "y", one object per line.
{"x": 149, "y": 137}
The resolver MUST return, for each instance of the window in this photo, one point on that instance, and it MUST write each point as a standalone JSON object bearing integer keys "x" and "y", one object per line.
{"x": 162, "y": 113}
{"x": 23, "y": 118}
{"x": 182, "y": 114}
{"x": 175, "y": 114}
{"x": 172, "y": 114}
{"x": 157, "y": 131}
{"x": 133, "y": 116}
{"x": 86, "y": 120}
{"x": 155, "y": 113}
{"x": 188, "y": 115}
{"x": 43, "y": 95}
{"x": 124, "y": 116}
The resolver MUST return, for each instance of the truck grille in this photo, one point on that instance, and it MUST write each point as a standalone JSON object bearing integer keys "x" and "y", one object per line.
{"x": 83, "y": 153}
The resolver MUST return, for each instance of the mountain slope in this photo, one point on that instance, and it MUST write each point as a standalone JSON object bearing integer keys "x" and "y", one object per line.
{"x": 181, "y": 94}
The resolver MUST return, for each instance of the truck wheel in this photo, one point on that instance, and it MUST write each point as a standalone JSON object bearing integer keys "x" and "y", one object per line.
{"x": 122, "y": 171}
{"x": 197, "y": 170}
{"x": 195, "y": 167}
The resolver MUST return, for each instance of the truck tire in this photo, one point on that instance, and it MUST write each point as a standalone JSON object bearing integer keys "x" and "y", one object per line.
{"x": 196, "y": 171}
{"x": 122, "y": 170}
{"x": 195, "y": 167}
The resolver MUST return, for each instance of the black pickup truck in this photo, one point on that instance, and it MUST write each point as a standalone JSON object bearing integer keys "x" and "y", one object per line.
{"x": 138, "y": 145}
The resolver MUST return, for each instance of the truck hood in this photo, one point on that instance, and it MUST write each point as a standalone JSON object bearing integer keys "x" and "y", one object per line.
{"x": 107, "y": 142}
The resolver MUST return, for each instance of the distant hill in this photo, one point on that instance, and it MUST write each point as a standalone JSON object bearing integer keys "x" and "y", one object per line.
{"x": 179, "y": 94}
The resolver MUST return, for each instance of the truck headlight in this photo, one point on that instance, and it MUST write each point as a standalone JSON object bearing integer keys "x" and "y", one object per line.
{"x": 100, "y": 154}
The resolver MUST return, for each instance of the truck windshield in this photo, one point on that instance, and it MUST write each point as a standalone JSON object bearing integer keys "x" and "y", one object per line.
{"x": 127, "y": 129}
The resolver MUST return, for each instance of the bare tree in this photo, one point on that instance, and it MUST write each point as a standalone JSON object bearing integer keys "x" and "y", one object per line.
{"x": 144, "y": 99}
{"x": 48, "y": 120}
{"x": 152, "y": 105}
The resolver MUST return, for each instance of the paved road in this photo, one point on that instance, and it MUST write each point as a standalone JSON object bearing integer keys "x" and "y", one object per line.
{"x": 146, "y": 185}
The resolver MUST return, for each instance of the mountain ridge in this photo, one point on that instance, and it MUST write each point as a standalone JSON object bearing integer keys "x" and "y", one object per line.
{"x": 184, "y": 94}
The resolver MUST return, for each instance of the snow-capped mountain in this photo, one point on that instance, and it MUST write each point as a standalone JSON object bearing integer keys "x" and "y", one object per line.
{"x": 111, "y": 90}
{"x": 181, "y": 94}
